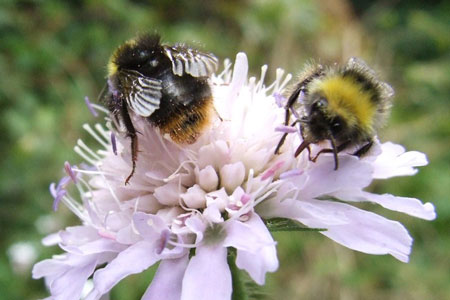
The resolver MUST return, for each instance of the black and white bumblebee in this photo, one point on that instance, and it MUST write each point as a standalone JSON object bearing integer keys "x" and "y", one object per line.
{"x": 166, "y": 85}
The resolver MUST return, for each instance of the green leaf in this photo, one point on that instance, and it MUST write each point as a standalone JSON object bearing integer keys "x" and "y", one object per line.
{"x": 283, "y": 224}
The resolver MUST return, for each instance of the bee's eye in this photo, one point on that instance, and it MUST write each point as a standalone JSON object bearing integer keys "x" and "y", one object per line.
{"x": 320, "y": 104}
{"x": 143, "y": 54}
{"x": 153, "y": 63}
{"x": 337, "y": 124}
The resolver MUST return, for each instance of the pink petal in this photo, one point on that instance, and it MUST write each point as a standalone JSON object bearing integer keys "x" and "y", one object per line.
{"x": 134, "y": 259}
{"x": 265, "y": 260}
{"x": 168, "y": 280}
{"x": 411, "y": 206}
{"x": 207, "y": 275}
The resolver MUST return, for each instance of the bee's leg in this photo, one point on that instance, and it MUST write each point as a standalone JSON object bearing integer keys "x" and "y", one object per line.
{"x": 283, "y": 138}
{"x": 131, "y": 132}
{"x": 303, "y": 145}
{"x": 289, "y": 104}
{"x": 364, "y": 149}
{"x": 335, "y": 150}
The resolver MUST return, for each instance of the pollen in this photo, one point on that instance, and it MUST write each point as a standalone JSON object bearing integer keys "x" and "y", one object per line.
{"x": 348, "y": 99}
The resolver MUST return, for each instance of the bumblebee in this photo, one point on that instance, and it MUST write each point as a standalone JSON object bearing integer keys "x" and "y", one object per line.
{"x": 345, "y": 105}
{"x": 166, "y": 85}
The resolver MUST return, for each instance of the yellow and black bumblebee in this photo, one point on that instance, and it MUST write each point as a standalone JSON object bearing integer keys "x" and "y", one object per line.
{"x": 345, "y": 105}
{"x": 166, "y": 85}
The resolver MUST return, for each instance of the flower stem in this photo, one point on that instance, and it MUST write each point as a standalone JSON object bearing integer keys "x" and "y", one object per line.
{"x": 239, "y": 292}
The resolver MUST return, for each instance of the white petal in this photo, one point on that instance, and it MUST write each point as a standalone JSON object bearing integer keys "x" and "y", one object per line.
{"x": 196, "y": 225}
{"x": 246, "y": 236}
{"x": 149, "y": 226}
{"x": 134, "y": 259}
{"x": 97, "y": 246}
{"x": 66, "y": 279}
{"x": 265, "y": 260}
{"x": 219, "y": 198}
{"x": 207, "y": 275}
{"x": 239, "y": 77}
{"x": 232, "y": 176}
{"x": 362, "y": 231}
{"x": 410, "y": 206}
{"x": 214, "y": 154}
{"x": 168, "y": 280}
{"x": 194, "y": 197}
{"x": 208, "y": 179}
{"x": 168, "y": 194}
{"x": 394, "y": 161}
{"x": 323, "y": 179}
{"x": 70, "y": 285}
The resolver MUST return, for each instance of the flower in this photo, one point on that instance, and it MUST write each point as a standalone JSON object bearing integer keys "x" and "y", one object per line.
{"x": 186, "y": 206}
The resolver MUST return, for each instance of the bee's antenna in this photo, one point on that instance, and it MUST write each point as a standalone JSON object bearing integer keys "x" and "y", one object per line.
{"x": 102, "y": 92}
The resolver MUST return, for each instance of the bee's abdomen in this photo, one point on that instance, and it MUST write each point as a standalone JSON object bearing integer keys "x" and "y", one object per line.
{"x": 186, "y": 122}
{"x": 185, "y": 110}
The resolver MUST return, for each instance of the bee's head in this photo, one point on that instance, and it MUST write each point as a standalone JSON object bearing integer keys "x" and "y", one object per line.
{"x": 144, "y": 54}
{"x": 322, "y": 120}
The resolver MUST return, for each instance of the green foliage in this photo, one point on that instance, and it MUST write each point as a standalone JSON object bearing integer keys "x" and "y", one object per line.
{"x": 53, "y": 53}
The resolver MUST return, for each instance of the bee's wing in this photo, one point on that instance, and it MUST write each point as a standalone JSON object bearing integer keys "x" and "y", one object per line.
{"x": 142, "y": 94}
{"x": 191, "y": 61}
{"x": 355, "y": 63}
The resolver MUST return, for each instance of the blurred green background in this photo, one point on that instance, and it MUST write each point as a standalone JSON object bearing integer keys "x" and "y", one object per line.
{"x": 53, "y": 53}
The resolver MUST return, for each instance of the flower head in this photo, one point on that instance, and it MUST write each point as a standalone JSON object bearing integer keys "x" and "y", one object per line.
{"x": 186, "y": 205}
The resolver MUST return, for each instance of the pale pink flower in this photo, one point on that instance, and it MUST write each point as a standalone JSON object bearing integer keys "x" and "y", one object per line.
{"x": 213, "y": 195}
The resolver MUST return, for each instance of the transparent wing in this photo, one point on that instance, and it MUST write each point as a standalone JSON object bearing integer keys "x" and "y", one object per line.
{"x": 356, "y": 63}
{"x": 142, "y": 94}
{"x": 191, "y": 61}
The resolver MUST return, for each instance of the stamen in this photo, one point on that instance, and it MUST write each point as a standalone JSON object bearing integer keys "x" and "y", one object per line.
{"x": 113, "y": 143}
{"x": 271, "y": 171}
{"x": 291, "y": 173}
{"x": 84, "y": 156}
{"x": 106, "y": 234}
{"x": 90, "y": 106}
{"x": 59, "y": 195}
{"x": 70, "y": 172}
{"x": 260, "y": 83}
{"x": 245, "y": 198}
{"x": 275, "y": 85}
{"x": 102, "y": 131}
{"x": 285, "y": 82}
{"x": 95, "y": 135}
{"x": 285, "y": 129}
{"x": 100, "y": 108}
{"x": 88, "y": 150}
{"x": 279, "y": 99}
{"x": 226, "y": 69}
